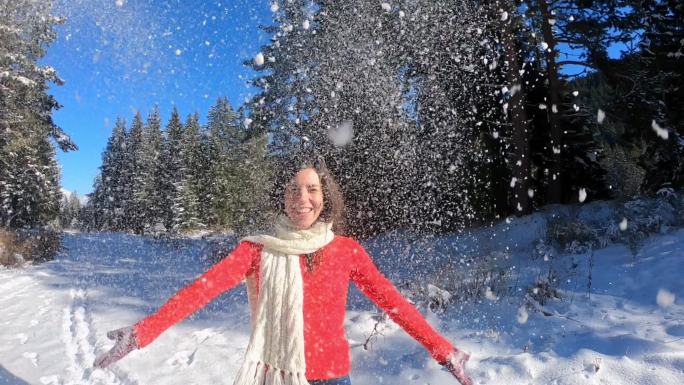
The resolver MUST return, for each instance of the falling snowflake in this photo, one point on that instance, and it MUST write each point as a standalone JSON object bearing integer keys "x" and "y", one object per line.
{"x": 582, "y": 194}
{"x": 504, "y": 16}
{"x": 665, "y": 298}
{"x": 178, "y": 52}
{"x": 522, "y": 315}
{"x": 661, "y": 132}
{"x": 342, "y": 134}
{"x": 274, "y": 7}
{"x": 259, "y": 59}
{"x": 623, "y": 224}
{"x": 386, "y": 7}
{"x": 600, "y": 116}
{"x": 490, "y": 295}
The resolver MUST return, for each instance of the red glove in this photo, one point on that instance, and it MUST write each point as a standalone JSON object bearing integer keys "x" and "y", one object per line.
{"x": 455, "y": 364}
{"x": 125, "y": 343}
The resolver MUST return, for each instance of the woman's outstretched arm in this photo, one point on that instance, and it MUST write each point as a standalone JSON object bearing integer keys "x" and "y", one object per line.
{"x": 222, "y": 276}
{"x": 380, "y": 290}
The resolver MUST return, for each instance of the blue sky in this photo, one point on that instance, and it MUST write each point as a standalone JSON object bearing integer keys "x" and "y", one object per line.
{"x": 117, "y": 57}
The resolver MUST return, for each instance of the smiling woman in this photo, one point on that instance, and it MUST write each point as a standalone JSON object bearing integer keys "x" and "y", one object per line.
{"x": 305, "y": 183}
{"x": 297, "y": 305}
{"x": 304, "y": 198}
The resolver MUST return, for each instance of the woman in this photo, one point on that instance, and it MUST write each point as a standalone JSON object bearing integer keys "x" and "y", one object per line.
{"x": 297, "y": 284}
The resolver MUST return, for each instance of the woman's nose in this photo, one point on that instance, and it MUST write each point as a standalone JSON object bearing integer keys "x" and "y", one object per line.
{"x": 302, "y": 195}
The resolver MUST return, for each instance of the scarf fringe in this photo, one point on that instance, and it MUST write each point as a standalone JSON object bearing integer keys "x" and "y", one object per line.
{"x": 260, "y": 373}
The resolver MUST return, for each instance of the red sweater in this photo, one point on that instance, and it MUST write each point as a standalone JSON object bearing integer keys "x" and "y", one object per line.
{"x": 325, "y": 296}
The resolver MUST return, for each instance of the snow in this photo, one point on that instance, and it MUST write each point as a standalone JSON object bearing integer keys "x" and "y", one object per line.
{"x": 661, "y": 132}
{"x": 259, "y": 59}
{"x": 665, "y": 298}
{"x": 623, "y": 224}
{"x": 21, "y": 79}
{"x": 600, "y": 116}
{"x": 627, "y": 329}
{"x": 342, "y": 134}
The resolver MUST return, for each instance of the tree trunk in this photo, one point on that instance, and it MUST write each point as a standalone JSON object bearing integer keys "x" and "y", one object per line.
{"x": 520, "y": 201}
{"x": 554, "y": 192}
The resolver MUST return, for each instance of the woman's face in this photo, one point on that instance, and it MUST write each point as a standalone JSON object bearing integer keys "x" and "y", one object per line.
{"x": 304, "y": 198}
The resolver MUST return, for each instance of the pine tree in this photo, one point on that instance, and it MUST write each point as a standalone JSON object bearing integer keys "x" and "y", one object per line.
{"x": 137, "y": 161}
{"x": 186, "y": 202}
{"x": 171, "y": 170}
{"x": 153, "y": 183}
{"x": 223, "y": 136}
{"x": 29, "y": 174}
{"x": 70, "y": 211}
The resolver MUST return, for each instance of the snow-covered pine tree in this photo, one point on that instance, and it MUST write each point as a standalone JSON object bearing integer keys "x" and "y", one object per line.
{"x": 136, "y": 199}
{"x": 445, "y": 53}
{"x": 358, "y": 85}
{"x": 251, "y": 178}
{"x": 186, "y": 202}
{"x": 283, "y": 66}
{"x": 171, "y": 169}
{"x": 154, "y": 143}
{"x": 70, "y": 211}
{"x": 29, "y": 175}
{"x": 108, "y": 197}
{"x": 223, "y": 135}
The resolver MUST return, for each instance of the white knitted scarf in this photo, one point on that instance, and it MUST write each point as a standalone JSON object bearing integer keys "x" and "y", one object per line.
{"x": 275, "y": 354}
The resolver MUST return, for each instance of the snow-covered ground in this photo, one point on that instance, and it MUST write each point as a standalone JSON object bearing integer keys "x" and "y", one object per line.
{"x": 626, "y": 328}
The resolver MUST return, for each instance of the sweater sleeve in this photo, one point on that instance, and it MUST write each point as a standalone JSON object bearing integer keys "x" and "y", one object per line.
{"x": 222, "y": 276}
{"x": 382, "y": 292}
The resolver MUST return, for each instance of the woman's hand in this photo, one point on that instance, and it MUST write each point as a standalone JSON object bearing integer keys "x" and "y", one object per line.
{"x": 125, "y": 343}
{"x": 455, "y": 364}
